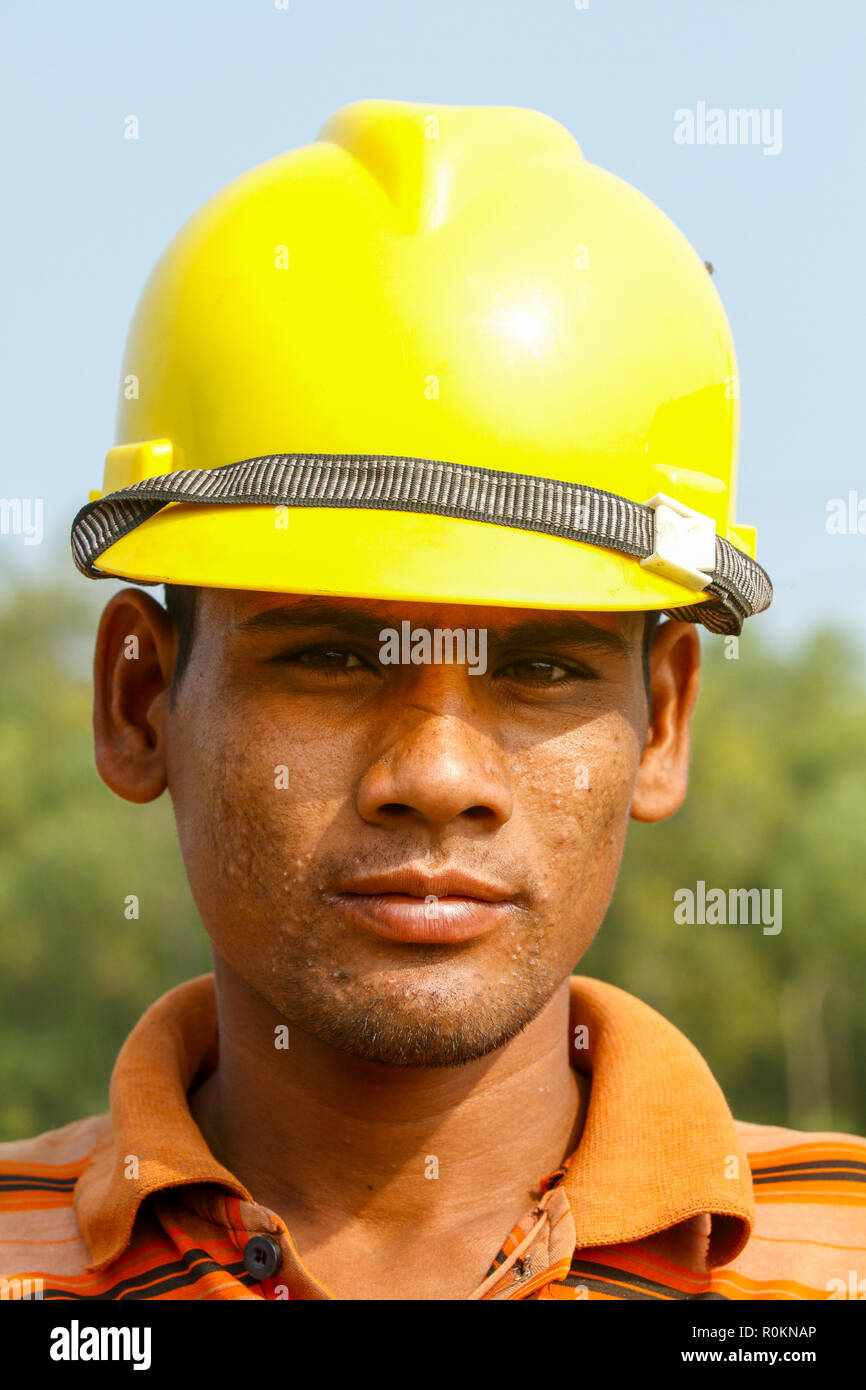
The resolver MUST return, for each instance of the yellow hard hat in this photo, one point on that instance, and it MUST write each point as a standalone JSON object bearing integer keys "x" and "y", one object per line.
{"x": 434, "y": 355}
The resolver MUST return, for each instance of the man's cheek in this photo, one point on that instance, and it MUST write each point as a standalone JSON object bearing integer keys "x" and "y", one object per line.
{"x": 585, "y": 795}
{"x": 581, "y": 827}
{"x": 261, "y": 820}
{"x": 223, "y": 806}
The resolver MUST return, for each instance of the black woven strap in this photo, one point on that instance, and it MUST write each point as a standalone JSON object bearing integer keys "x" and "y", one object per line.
{"x": 739, "y": 587}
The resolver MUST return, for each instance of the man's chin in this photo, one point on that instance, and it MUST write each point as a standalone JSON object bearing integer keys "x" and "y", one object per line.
{"x": 423, "y": 1029}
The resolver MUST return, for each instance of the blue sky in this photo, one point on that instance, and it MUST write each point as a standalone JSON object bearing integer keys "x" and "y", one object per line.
{"x": 219, "y": 87}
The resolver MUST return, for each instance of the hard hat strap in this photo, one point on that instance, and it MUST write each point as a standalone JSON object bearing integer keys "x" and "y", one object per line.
{"x": 737, "y": 586}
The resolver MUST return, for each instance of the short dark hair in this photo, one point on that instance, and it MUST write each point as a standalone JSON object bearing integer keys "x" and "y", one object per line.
{"x": 650, "y": 624}
{"x": 180, "y": 604}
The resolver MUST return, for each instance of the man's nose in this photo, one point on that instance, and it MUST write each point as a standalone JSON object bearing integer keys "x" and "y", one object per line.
{"x": 437, "y": 769}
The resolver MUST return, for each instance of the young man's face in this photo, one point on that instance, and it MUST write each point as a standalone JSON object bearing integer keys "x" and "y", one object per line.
{"x": 322, "y": 796}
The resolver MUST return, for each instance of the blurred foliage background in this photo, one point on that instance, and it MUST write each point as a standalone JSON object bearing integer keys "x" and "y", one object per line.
{"x": 777, "y": 800}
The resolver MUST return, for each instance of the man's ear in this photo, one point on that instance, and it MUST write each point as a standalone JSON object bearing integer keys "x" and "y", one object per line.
{"x": 133, "y": 666}
{"x": 675, "y": 676}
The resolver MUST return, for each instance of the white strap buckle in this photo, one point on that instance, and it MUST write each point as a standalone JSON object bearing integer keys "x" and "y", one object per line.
{"x": 684, "y": 543}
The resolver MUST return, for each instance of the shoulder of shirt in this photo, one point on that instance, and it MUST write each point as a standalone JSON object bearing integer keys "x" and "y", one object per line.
{"x": 761, "y": 1140}
{"x": 809, "y": 1234}
{"x": 804, "y": 1163}
{"x": 71, "y": 1145}
{"x": 37, "y": 1195}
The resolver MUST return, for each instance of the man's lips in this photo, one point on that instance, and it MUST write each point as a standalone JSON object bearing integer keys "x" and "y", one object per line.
{"x": 415, "y": 905}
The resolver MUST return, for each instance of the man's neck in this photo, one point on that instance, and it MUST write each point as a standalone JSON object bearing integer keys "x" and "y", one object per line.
{"x": 371, "y": 1165}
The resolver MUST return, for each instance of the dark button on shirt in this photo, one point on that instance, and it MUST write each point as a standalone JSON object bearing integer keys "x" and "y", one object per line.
{"x": 262, "y": 1256}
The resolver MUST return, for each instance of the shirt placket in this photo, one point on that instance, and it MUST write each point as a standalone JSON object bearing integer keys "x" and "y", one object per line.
{"x": 537, "y": 1252}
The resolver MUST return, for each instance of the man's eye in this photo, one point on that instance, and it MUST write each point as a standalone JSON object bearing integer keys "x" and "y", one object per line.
{"x": 538, "y": 672}
{"x": 324, "y": 659}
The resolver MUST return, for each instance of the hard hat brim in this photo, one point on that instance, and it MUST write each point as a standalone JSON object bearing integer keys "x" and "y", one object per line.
{"x": 384, "y": 555}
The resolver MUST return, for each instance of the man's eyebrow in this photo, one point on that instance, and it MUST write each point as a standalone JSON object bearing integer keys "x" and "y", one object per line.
{"x": 570, "y": 631}
{"x": 315, "y": 615}
{"x": 356, "y": 623}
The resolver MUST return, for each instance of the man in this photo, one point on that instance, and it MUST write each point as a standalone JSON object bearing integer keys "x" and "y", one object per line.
{"x": 423, "y": 427}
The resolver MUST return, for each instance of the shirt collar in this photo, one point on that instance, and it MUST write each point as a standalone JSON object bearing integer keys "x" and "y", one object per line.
{"x": 658, "y": 1145}
{"x": 152, "y": 1141}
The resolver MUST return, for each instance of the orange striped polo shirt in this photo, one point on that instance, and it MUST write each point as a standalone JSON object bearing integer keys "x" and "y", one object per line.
{"x": 665, "y": 1197}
